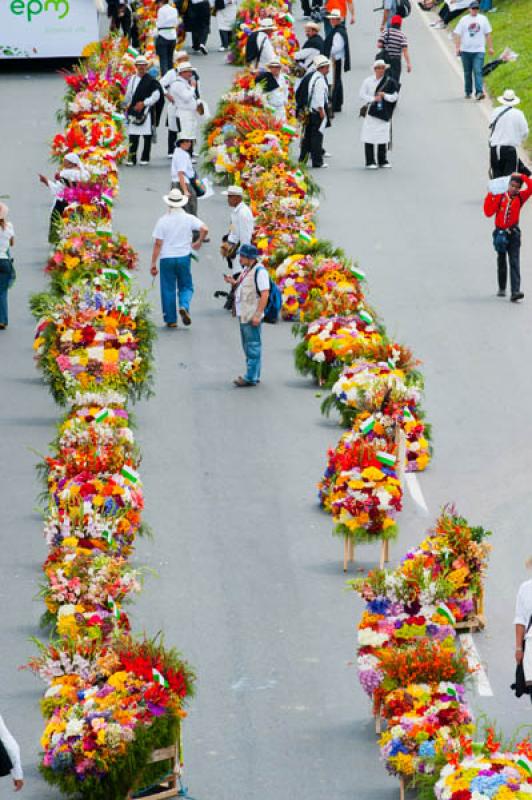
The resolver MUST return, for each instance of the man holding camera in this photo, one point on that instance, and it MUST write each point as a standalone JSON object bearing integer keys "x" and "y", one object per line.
{"x": 252, "y": 290}
{"x": 507, "y": 235}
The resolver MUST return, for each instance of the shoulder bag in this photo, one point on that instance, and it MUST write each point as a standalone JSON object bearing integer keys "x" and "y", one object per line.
{"x": 6, "y": 765}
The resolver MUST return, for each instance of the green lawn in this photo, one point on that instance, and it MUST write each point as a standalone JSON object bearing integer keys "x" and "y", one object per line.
{"x": 512, "y": 27}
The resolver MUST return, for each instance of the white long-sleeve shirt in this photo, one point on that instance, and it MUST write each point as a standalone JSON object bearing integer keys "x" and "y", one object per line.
{"x": 337, "y": 47}
{"x": 13, "y": 751}
{"x": 511, "y": 130}
{"x": 318, "y": 92}
{"x": 183, "y": 94}
{"x": 265, "y": 48}
{"x": 242, "y": 224}
{"x": 167, "y": 22}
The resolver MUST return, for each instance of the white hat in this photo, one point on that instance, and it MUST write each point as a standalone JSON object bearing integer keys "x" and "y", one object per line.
{"x": 180, "y": 55}
{"x": 311, "y": 24}
{"x": 185, "y": 136}
{"x": 175, "y": 198}
{"x": 185, "y": 66}
{"x": 335, "y": 14}
{"x": 321, "y": 61}
{"x": 509, "y": 98}
{"x": 141, "y": 60}
{"x": 266, "y": 24}
{"x": 72, "y": 158}
{"x": 379, "y": 63}
{"x": 235, "y": 191}
{"x": 274, "y": 63}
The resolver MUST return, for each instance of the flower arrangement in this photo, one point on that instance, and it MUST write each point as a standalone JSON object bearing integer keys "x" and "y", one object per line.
{"x": 283, "y": 39}
{"x": 497, "y": 776}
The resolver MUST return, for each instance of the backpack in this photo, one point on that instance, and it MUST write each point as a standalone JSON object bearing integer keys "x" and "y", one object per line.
{"x": 275, "y": 300}
{"x": 404, "y": 7}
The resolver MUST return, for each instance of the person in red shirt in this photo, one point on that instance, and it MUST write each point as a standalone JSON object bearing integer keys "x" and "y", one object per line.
{"x": 507, "y": 234}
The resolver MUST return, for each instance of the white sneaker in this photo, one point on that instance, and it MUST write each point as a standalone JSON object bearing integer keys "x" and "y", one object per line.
{"x": 371, "y": 166}
{"x": 170, "y": 155}
{"x": 143, "y": 163}
{"x": 222, "y": 49}
{"x": 327, "y": 155}
{"x": 130, "y": 163}
{"x": 204, "y": 50}
{"x": 386, "y": 165}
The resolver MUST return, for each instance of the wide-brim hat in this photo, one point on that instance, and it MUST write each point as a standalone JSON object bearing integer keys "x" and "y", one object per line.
{"x": 266, "y": 24}
{"x": 186, "y": 66}
{"x": 175, "y": 198}
{"x": 335, "y": 14}
{"x": 180, "y": 55}
{"x": 311, "y": 24}
{"x": 141, "y": 60}
{"x": 379, "y": 63}
{"x": 234, "y": 191}
{"x": 186, "y": 136}
{"x": 274, "y": 63}
{"x": 321, "y": 61}
{"x": 72, "y": 158}
{"x": 509, "y": 98}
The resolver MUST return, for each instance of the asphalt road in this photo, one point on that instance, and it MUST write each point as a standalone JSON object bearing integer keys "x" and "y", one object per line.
{"x": 249, "y": 582}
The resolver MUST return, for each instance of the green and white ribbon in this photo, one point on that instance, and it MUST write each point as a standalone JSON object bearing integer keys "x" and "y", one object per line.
{"x": 446, "y": 612}
{"x": 289, "y": 129}
{"x": 388, "y": 459}
{"x": 365, "y": 317}
{"x": 358, "y": 273}
{"x": 305, "y": 236}
{"x": 130, "y": 474}
{"x": 367, "y": 426}
{"x": 159, "y": 678}
{"x": 102, "y": 415}
{"x": 113, "y": 606}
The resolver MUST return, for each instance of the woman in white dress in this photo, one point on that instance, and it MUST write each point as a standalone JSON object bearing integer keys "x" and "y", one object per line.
{"x": 379, "y": 94}
{"x": 226, "y": 18}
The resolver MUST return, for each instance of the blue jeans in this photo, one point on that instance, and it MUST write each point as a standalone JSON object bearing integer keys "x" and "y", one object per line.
{"x": 5, "y": 276}
{"x": 472, "y": 64}
{"x": 252, "y": 346}
{"x": 176, "y": 278}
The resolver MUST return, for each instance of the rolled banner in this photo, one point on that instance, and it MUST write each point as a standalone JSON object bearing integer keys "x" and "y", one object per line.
{"x": 132, "y": 52}
{"x": 108, "y": 200}
{"x": 446, "y": 612}
{"x": 159, "y": 678}
{"x": 289, "y": 129}
{"x": 102, "y": 415}
{"x": 358, "y": 273}
{"x": 306, "y": 237}
{"x": 365, "y": 317}
{"x": 367, "y": 426}
{"x": 130, "y": 474}
{"x": 388, "y": 459}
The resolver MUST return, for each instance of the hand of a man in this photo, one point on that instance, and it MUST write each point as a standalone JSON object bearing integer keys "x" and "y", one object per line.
{"x": 154, "y": 271}
{"x": 491, "y": 51}
{"x": 196, "y": 245}
{"x": 256, "y": 320}
{"x": 138, "y": 106}
{"x": 18, "y": 784}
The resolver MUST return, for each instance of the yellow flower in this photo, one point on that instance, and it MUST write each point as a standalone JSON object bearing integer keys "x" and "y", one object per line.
{"x": 372, "y": 474}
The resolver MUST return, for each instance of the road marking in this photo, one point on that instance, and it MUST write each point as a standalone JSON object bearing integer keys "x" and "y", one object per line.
{"x": 481, "y": 679}
{"x": 415, "y": 492}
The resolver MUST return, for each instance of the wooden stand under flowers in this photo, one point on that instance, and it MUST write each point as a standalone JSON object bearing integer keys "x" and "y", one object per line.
{"x": 476, "y": 620}
{"x": 168, "y": 787}
{"x": 349, "y": 545}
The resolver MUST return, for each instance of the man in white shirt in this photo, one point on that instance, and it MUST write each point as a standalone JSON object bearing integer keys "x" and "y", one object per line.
{"x": 523, "y": 632}
{"x": 13, "y": 751}
{"x": 241, "y": 226}
{"x": 508, "y": 131}
{"x": 316, "y": 118}
{"x": 166, "y": 38}
{"x": 252, "y": 290}
{"x": 337, "y": 49}
{"x": 265, "y": 51}
{"x": 174, "y": 241}
{"x": 142, "y": 93}
{"x": 471, "y": 36}
{"x": 312, "y": 46}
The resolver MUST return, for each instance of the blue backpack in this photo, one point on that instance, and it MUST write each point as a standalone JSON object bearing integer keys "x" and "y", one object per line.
{"x": 275, "y": 300}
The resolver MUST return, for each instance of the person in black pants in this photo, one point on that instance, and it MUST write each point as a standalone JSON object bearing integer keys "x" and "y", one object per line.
{"x": 316, "y": 113}
{"x": 337, "y": 49}
{"x": 199, "y": 24}
{"x": 165, "y": 41}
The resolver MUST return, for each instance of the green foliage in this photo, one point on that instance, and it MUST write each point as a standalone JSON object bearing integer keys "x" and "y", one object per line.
{"x": 362, "y": 535}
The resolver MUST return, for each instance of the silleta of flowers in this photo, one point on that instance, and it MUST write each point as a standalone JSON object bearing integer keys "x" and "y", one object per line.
{"x": 112, "y": 698}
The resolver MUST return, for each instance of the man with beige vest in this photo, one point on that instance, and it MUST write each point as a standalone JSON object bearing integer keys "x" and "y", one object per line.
{"x": 252, "y": 289}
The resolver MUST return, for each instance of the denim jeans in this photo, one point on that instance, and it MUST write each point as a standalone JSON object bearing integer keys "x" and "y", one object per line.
{"x": 252, "y": 346}
{"x": 176, "y": 279}
{"x": 472, "y": 64}
{"x": 513, "y": 256}
{"x": 5, "y": 276}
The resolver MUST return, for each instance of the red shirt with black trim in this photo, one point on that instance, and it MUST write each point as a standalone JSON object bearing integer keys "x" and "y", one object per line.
{"x": 507, "y": 209}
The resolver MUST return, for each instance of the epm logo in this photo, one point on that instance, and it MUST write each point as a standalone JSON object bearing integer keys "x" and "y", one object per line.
{"x": 32, "y": 8}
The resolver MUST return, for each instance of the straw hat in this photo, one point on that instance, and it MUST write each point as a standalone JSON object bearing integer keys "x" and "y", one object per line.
{"x": 267, "y": 24}
{"x": 186, "y": 66}
{"x": 509, "y": 98}
{"x": 235, "y": 191}
{"x": 379, "y": 63}
{"x": 141, "y": 60}
{"x": 311, "y": 24}
{"x": 175, "y": 198}
{"x": 321, "y": 61}
{"x": 185, "y": 136}
{"x": 274, "y": 63}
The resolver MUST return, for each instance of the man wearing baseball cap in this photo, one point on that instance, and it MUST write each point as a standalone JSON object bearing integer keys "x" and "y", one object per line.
{"x": 252, "y": 289}
{"x": 471, "y": 36}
